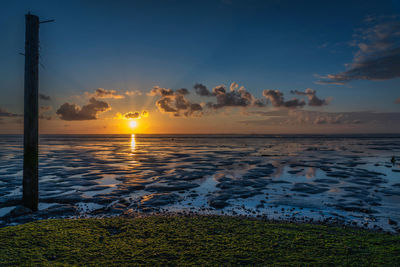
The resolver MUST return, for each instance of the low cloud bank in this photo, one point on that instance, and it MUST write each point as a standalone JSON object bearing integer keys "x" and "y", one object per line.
{"x": 301, "y": 117}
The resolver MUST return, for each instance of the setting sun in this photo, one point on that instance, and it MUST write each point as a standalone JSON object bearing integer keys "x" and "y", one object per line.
{"x": 133, "y": 124}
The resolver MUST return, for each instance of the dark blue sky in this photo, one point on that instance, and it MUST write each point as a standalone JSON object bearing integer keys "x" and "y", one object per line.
{"x": 135, "y": 45}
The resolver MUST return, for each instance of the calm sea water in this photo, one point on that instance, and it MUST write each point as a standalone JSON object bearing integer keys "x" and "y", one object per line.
{"x": 346, "y": 179}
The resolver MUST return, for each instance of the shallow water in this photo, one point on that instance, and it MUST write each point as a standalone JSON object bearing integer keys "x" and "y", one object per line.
{"x": 345, "y": 179}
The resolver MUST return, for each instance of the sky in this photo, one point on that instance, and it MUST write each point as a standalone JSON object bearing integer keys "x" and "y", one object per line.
{"x": 222, "y": 66}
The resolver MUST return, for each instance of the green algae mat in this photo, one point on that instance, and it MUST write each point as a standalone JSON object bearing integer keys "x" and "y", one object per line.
{"x": 198, "y": 240}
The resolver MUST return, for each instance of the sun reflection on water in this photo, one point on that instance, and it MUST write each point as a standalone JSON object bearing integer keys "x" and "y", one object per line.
{"x": 133, "y": 142}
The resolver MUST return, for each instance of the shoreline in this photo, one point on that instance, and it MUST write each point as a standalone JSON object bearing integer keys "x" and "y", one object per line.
{"x": 133, "y": 214}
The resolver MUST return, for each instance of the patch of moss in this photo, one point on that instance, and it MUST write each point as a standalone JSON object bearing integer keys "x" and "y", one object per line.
{"x": 198, "y": 240}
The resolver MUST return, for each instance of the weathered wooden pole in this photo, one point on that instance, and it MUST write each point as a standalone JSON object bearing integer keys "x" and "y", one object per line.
{"x": 30, "y": 196}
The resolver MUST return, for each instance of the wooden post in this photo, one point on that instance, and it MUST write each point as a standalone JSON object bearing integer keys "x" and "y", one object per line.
{"x": 30, "y": 196}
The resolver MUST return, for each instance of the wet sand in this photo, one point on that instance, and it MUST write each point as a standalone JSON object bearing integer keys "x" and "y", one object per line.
{"x": 327, "y": 179}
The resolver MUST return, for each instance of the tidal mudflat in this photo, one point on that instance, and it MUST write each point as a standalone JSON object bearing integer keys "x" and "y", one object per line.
{"x": 334, "y": 179}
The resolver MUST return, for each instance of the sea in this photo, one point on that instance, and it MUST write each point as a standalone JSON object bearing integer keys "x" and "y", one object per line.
{"x": 351, "y": 180}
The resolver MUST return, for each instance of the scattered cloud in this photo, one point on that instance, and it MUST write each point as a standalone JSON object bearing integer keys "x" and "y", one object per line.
{"x": 160, "y": 91}
{"x": 277, "y": 100}
{"x": 301, "y": 117}
{"x": 363, "y": 117}
{"x": 202, "y": 90}
{"x": 44, "y": 97}
{"x": 270, "y": 113}
{"x": 103, "y": 93}
{"x": 133, "y": 93}
{"x": 136, "y": 114}
{"x": 397, "y": 101}
{"x": 313, "y": 100}
{"x": 233, "y": 86}
{"x": 234, "y": 97}
{"x": 175, "y": 102}
{"x": 45, "y": 117}
{"x": 5, "y": 113}
{"x": 378, "y": 54}
{"x": 310, "y": 117}
{"x": 182, "y": 91}
{"x": 43, "y": 110}
{"x": 145, "y": 114}
{"x": 132, "y": 115}
{"x": 72, "y": 112}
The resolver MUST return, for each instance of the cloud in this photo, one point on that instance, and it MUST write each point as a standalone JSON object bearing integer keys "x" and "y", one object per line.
{"x": 136, "y": 114}
{"x": 175, "y": 102}
{"x": 5, "y": 113}
{"x": 378, "y": 54}
{"x": 72, "y": 112}
{"x": 161, "y": 91}
{"x": 397, "y": 101}
{"x": 132, "y": 115}
{"x": 277, "y": 100}
{"x": 103, "y": 93}
{"x": 202, "y": 90}
{"x": 362, "y": 117}
{"x": 133, "y": 93}
{"x": 45, "y": 117}
{"x": 44, "y": 97}
{"x": 9, "y": 117}
{"x": 304, "y": 117}
{"x": 44, "y": 109}
{"x": 182, "y": 91}
{"x": 313, "y": 100}
{"x": 145, "y": 114}
{"x": 165, "y": 104}
{"x": 317, "y": 117}
{"x": 234, "y": 98}
{"x": 270, "y": 113}
{"x": 234, "y": 86}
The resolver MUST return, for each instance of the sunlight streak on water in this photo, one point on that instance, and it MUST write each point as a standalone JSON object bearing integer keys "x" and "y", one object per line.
{"x": 133, "y": 143}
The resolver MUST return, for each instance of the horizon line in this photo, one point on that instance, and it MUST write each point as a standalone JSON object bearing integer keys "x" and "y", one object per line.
{"x": 207, "y": 134}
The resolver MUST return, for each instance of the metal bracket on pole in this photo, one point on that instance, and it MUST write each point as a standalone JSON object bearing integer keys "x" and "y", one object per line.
{"x": 47, "y": 21}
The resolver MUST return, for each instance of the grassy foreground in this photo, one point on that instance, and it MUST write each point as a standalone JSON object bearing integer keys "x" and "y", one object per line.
{"x": 197, "y": 240}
